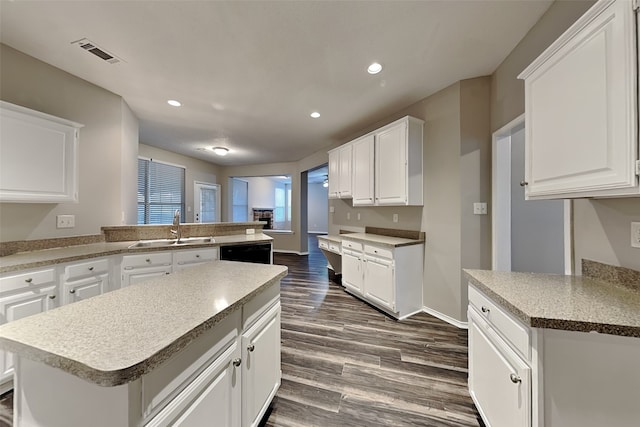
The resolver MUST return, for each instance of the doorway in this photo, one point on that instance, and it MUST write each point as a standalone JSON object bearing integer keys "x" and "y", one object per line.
{"x": 206, "y": 198}
{"x": 528, "y": 235}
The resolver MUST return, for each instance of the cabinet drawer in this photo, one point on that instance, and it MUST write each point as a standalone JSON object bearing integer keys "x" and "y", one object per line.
{"x": 130, "y": 262}
{"x": 506, "y": 325}
{"x": 198, "y": 255}
{"x": 375, "y": 250}
{"x": 334, "y": 247}
{"x": 91, "y": 268}
{"x": 27, "y": 280}
{"x": 351, "y": 245}
{"x": 323, "y": 245}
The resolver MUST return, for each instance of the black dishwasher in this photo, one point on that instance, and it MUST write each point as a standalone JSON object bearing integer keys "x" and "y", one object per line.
{"x": 259, "y": 253}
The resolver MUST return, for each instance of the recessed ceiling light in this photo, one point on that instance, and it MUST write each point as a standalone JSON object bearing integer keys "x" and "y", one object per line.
{"x": 374, "y": 68}
{"x": 174, "y": 103}
{"x": 315, "y": 114}
{"x": 220, "y": 151}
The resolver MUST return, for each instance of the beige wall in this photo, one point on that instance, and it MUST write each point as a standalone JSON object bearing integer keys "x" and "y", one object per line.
{"x": 109, "y": 135}
{"x": 601, "y": 228}
{"x": 195, "y": 170}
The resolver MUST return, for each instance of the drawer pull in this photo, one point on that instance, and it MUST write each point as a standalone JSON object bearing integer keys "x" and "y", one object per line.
{"x": 485, "y": 309}
{"x": 197, "y": 256}
{"x": 523, "y": 183}
{"x": 72, "y": 291}
{"x": 148, "y": 260}
{"x": 52, "y": 297}
{"x": 90, "y": 268}
{"x": 29, "y": 280}
{"x": 251, "y": 347}
{"x": 515, "y": 379}
{"x": 236, "y": 362}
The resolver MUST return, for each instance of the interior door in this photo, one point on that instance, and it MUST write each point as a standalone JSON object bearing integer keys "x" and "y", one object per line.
{"x": 206, "y": 199}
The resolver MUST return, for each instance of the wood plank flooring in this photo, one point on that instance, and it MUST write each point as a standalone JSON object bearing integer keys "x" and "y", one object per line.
{"x": 345, "y": 363}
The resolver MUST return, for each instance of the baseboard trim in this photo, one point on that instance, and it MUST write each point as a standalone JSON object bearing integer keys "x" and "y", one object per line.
{"x": 445, "y": 318}
{"x": 286, "y": 251}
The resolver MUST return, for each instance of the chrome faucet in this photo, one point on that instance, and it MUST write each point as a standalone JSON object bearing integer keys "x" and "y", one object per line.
{"x": 176, "y": 224}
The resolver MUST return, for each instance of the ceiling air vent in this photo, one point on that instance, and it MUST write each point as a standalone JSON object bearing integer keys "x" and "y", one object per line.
{"x": 91, "y": 47}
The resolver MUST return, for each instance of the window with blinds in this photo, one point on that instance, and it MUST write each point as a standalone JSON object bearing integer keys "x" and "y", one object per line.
{"x": 160, "y": 192}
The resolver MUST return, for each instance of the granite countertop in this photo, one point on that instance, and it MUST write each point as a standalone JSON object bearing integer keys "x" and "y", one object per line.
{"x": 115, "y": 338}
{"x": 46, "y": 257}
{"x": 381, "y": 240}
{"x": 571, "y": 303}
{"x": 331, "y": 238}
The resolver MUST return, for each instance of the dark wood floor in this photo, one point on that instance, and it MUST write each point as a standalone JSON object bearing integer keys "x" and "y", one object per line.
{"x": 345, "y": 363}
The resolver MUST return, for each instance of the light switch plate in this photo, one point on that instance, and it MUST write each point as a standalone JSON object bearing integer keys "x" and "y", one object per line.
{"x": 635, "y": 234}
{"x": 395, "y": 217}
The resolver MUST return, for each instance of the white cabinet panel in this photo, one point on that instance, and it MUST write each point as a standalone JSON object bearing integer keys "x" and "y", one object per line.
{"x": 581, "y": 109}
{"x": 391, "y": 152}
{"x": 340, "y": 172}
{"x": 334, "y": 174}
{"x": 189, "y": 258}
{"x": 379, "y": 281}
{"x": 363, "y": 171}
{"x": 352, "y": 272}
{"x": 38, "y": 156}
{"x": 85, "y": 288}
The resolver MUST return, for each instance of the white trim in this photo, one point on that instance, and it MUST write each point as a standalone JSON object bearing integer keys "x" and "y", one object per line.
{"x": 271, "y": 230}
{"x": 286, "y": 251}
{"x": 162, "y": 162}
{"x": 450, "y": 320}
{"x": 6, "y": 386}
{"x": 568, "y": 237}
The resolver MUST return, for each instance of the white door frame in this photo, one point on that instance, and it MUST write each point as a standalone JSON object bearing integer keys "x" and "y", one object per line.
{"x": 196, "y": 199}
{"x": 501, "y": 201}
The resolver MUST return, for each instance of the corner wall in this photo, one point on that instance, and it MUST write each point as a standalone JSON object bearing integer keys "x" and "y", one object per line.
{"x": 108, "y": 136}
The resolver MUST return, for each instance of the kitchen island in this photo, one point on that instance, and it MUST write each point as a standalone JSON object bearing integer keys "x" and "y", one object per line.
{"x": 199, "y": 344}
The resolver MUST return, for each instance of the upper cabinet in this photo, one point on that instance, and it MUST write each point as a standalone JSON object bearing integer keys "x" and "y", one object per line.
{"x": 340, "y": 172}
{"x": 581, "y": 109}
{"x": 386, "y": 166}
{"x": 38, "y": 156}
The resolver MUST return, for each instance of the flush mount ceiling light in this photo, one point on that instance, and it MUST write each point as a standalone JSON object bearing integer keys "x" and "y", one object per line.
{"x": 220, "y": 151}
{"x": 315, "y": 114}
{"x": 374, "y": 68}
{"x": 174, "y": 103}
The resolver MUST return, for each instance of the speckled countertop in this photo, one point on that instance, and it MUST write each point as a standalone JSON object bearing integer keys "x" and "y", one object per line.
{"x": 331, "y": 238}
{"x": 46, "y": 257}
{"x": 380, "y": 240}
{"x": 115, "y": 338}
{"x": 569, "y": 303}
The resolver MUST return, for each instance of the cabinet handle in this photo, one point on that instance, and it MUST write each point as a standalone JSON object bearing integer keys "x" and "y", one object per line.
{"x": 523, "y": 183}
{"x": 236, "y": 362}
{"x": 515, "y": 379}
{"x": 52, "y": 297}
{"x": 485, "y": 309}
{"x": 251, "y": 347}
{"x": 148, "y": 260}
{"x": 90, "y": 268}
{"x": 29, "y": 280}
{"x": 197, "y": 256}
{"x": 72, "y": 291}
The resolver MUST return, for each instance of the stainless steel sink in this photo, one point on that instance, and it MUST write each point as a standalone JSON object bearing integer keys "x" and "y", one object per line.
{"x": 163, "y": 243}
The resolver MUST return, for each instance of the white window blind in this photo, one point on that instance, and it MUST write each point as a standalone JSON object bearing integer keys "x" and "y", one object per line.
{"x": 160, "y": 192}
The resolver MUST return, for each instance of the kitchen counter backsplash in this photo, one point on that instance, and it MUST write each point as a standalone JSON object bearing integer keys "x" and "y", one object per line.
{"x": 10, "y": 248}
{"x": 611, "y": 274}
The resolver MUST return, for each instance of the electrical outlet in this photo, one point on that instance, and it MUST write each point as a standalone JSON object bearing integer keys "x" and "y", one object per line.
{"x": 250, "y": 231}
{"x": 635, "y": 234}
{"x": 332, "y": 209}
{"x": 65, "y": 221}
{"x": 348, "y": 216}
{"x": 358, "y": 216}
{"x": 395, "y": 217}
{"x": 479, "y": 208}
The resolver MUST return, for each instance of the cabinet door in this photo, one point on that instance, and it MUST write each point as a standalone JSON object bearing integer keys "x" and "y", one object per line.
{"x": 363, "y": 180}
{"x": 189, "y": 258}
{"x": 86, "y": 288}
{"x": 352, "y": 271}
{"x": 334, "y": 174}
{"x": 379, "y": 283}
{"x": 212, "y": 399}
{"x": 345, "y": 172}
{"x": 391, "y": 165}
{"x": 581, "y": 109}
{"x": 131, "y": 277}
{"x": 20, "y": 306}
{"x": 499, "y": 381}
{"x": 261, "y": 371}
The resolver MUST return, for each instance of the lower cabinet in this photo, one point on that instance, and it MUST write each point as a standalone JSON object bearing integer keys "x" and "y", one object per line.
{"x": 85, "y": 280}
{"x": 140, "y": 267}
{"x": 389, "y": 278}
{"x": 189, "y": 258}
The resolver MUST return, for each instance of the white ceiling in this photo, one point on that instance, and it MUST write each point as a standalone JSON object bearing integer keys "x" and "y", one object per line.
{"x": 249, "y": 73}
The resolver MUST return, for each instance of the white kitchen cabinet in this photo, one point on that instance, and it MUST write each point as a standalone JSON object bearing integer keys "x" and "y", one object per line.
{"x": 140, "y": 267}
{"x": 38, "y": 156}
{"x": 363, "y": 171}
{"x": 85, "y": 280}
{"x": 189, "y": 258}
{"x": 340, "y": 172}
{"x": 261, "y": 374}
{"x": 24, "y": 295}
{"x": 581, "y": 109}
{"x": 389, "y": 278}
{"x": 398, "y": 163}
{"x": 352, "y": 268}
{"x": 499, "y": 380}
